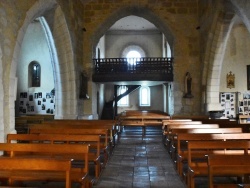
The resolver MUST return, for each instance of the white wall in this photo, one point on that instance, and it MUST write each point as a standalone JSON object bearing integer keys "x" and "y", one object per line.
{"x": 236, "y": 59}
{"x": 34, "y": 48}
{"x": 101, "y": 46}
{"x": 156, "y": 100}
{"x": 150, "y": 42}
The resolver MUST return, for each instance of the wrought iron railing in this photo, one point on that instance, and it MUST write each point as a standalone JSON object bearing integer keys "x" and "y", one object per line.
{"x": 154, "y": 65}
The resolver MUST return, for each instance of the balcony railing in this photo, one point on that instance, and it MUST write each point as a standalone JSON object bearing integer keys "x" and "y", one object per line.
{"x": 145, "y": 67}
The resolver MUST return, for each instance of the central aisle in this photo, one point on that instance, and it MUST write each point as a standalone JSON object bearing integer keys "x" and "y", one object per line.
{"x": 140, "y": 162}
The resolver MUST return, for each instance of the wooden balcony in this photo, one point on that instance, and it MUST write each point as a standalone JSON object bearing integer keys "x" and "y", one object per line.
{"x": 133, "y": 69}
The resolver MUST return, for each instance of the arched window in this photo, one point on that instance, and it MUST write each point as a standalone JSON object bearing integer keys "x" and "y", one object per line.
{"x": 124, "y": 101}
{"x": 133, "y": 50}
{"x": 144, "y": 96}
{"x": 34, "y": 74}
{"x": 133, "y": 53}
{"x": 132, "y": 56}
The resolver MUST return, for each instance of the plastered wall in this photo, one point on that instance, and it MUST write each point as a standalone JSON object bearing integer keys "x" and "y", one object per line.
{"x": 151, "y": 44}
{"x": 35, "y": 48}
{"x": 236, "y": 60}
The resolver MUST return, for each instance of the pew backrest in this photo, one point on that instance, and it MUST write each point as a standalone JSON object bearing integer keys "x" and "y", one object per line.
{"x": 173, "y": 130}
{"x": 183, "y": 139}
{"x": 227, "y": 165}
{"x": 211, "y": 147}
{"x": 69, "y": 131}
{"x": 35, "y": 164}
{"x": 208, "y": 130}
{"x": 66, "y": 151}
{"x": 170, "y": 122}
{"x": 169, "y": 127}
{"x": 186, "y": 137}
{"x": 92, "y": 140}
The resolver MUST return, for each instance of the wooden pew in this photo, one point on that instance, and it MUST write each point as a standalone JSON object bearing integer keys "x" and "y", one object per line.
{"x": 176, "y": 120}
{"x": 103, "y": 132}
{"x": 142, "y": 119}
{"x": 198, "y": 151}
{"x": 174, "y": 132}
{"x": 168, "y": 129}
{"x": 170, "y": 136}
{"x": 135, "y": 122}
{"x": 185, "y": 121}
{"x": 207, "y": 130}
{"x": 30, "y": 119}
{"x": 142, "y": 112}
{"x": 35, "y": 169}
{"x": 79, "y": 174}
{"x": 184, "y": 138}
{"x": 193, "y": 117}
{"x": 92, "y": 140}
{"x": 37, "y": 117}
{"x": 84, "y": 124}
{"x": 172, "y": 129}
{"x": 224, "y": 123}
{"x": 22, "y": 122}
{"x": 21, "y": 126}
{"x": 229, "y": 166}
{"x": 167, "y": 123}
{"x": 228, "y": 123}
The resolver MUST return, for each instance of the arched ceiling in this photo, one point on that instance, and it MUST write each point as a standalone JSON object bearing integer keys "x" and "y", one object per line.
{"x": 133, "y": 23}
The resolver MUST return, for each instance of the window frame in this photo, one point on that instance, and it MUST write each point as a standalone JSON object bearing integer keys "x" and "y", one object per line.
{"x": 126, "y": 98}
{"x": 142, "y": 95}
{"x": 34, "y": 75}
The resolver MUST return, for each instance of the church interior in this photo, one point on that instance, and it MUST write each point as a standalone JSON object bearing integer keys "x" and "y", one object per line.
{"x": 129, "y": 66}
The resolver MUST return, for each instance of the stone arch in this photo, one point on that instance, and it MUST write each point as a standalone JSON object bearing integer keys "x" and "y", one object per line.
{"x": 63, "y": 68}
{"x": 1, "y": 99}
{"x": 136, "y": 11}
{"x": 213, "y": 58}
{"x": 139, "y": 11}
{"x": 241, "y": 9}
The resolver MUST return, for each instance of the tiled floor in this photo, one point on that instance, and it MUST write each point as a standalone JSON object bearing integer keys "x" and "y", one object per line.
{"x": 140, "y": 162}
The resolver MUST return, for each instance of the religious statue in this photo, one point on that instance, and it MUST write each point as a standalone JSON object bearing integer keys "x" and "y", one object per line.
{"x": 230, "y": 80}
{"x": 188, "y": 86}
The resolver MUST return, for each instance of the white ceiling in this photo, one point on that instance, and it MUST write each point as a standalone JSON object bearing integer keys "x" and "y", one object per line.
{"x": 133, "y": 23}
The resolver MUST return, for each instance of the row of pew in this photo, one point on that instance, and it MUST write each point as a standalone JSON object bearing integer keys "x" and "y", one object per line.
{"x": 45, "y": 140}
{"x": 215, "y": 152}
{"x": 83, "y": 147}
{"x": 143, "y": 119}
{"x": 22, "y": 122}
{"x": 197, "y": 146}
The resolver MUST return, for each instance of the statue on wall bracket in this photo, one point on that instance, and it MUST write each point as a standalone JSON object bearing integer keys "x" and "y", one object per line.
{"x": 83, "y": 93}
{"x": 230, "y": 80}
{"x": 188, "y": 86}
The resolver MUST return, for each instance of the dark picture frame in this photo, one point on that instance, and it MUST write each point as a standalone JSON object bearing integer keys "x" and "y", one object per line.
{"x": 248, "y": 77}
{"x": 30, "y": 97}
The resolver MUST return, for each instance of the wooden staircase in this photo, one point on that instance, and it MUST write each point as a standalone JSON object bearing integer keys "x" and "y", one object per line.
{"x": 110, "y": 108}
